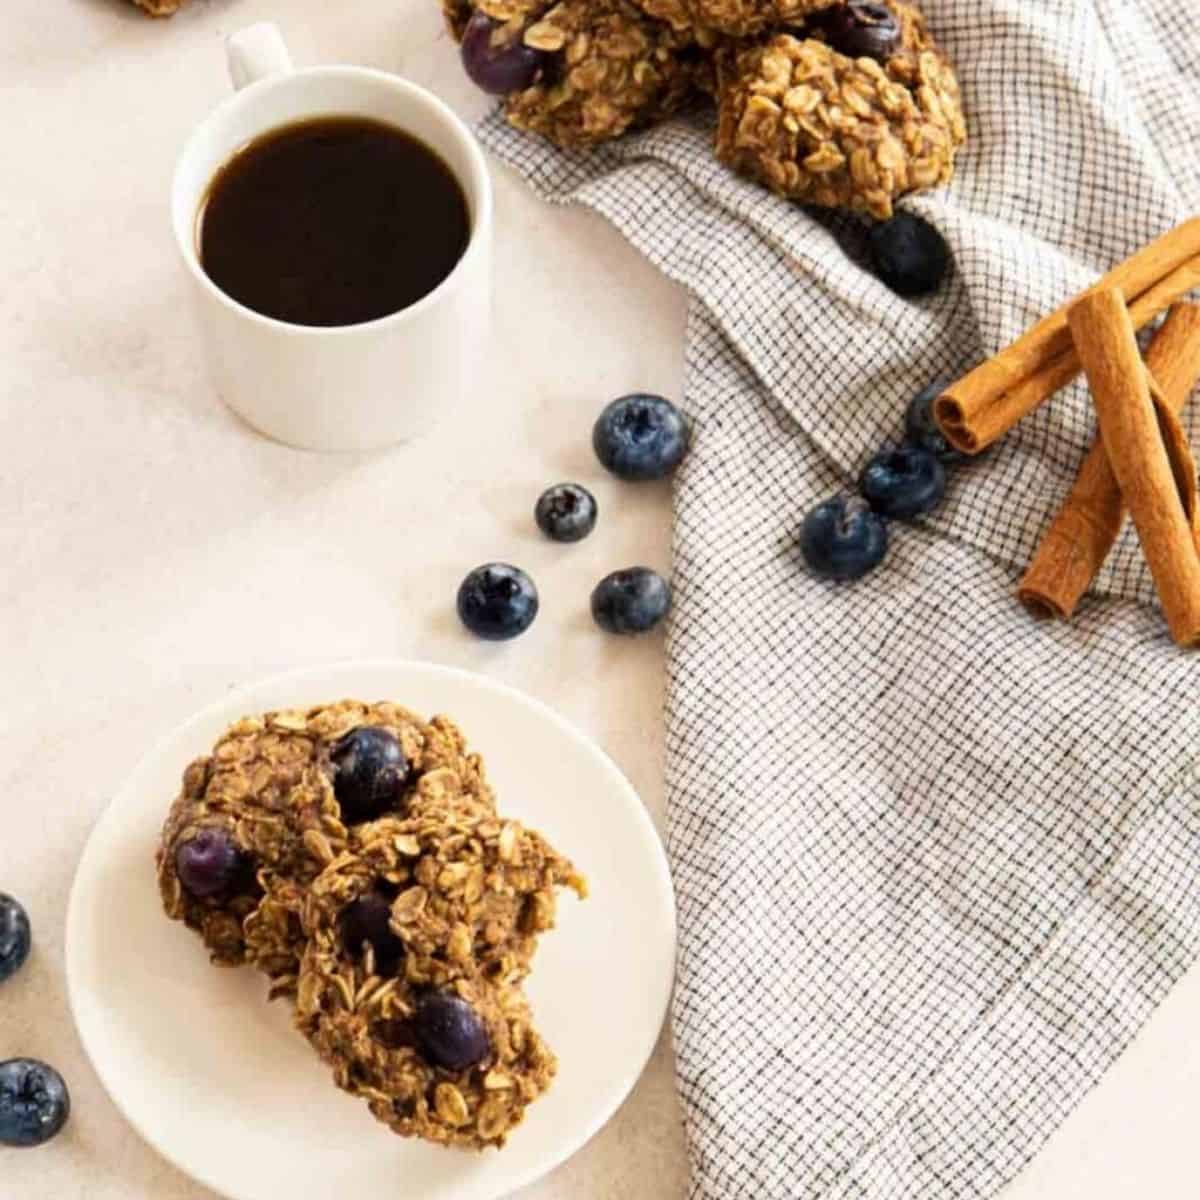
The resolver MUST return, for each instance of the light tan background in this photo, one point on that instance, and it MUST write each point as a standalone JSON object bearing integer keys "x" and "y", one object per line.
{"x": 155, "y": 553}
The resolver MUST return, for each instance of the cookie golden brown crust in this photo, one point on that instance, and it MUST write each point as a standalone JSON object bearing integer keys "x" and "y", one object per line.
{"x": 608, "y": 67}
{"x": 268, "y": 785}
{"x": 709, "y": 20}
{"x": 840, "y": 132}
{"x": 470, "y": 892}
{"x": 618, "y": 71}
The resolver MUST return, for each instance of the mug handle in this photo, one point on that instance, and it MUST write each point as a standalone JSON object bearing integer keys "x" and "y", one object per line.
{"x": 255, "y": 52}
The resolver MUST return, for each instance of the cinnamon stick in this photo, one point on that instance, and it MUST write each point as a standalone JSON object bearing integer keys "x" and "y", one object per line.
{"x": 1147, "y": 452}
{"x": 988, "y": 401}
{"x": 1075, "y": 546}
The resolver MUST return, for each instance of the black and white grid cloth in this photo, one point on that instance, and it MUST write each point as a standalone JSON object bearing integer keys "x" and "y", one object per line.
{"x": 935, "y": 863}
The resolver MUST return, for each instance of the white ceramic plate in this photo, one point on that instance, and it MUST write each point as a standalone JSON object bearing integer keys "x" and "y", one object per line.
{"x": 215, "y": 1078}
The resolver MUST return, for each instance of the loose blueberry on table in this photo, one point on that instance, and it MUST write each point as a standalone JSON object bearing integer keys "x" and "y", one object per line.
{"x": 631, "y": 601}
{"x": 497, "y": 602}
{"x": 908, "y": 254}
{"x": 16, "y": 936}
{"x": 922, "y": 430}
{"x": 34, "y": 1102}
{"x": 449, "y": 1032}
{"x": 904, "y": 482}
{"x": 210, "y": 864}
{"x": 566, "y": 512}
{"x": 370, "y": 772}
{"x": 860, "y": 29}
{"x": 641, "y": 437}
{"x": 843, "y": 539}
{"x": 367, "y": 921}
{"x": 496, "y": 59}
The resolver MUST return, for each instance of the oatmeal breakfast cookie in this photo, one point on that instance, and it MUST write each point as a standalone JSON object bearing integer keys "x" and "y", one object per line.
{"x": 410, "y": 985}
{"x": 278, "y": 798}
{"x": 839, "y": 131}
{"x": 578, "y": 72}
{"x": 838, "y": 103}
{"x": 708, "y": 20}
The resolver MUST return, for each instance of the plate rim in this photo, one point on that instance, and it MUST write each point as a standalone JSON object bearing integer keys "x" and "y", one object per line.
{"x": 638, "y": 810}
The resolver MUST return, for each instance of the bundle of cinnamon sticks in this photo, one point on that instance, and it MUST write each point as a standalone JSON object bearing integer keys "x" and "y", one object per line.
{"x": 1141, "y": 462}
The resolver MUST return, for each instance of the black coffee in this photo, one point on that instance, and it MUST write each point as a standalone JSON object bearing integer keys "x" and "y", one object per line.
{"x": 332, "y": 221}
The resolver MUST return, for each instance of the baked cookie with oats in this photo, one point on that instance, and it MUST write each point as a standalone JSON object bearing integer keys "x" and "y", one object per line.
{"x": 855, "y": 110}
{"x": 711, "y": 20}
{"x": 279, "y": 797}
{"x": 579, "y": 72}
{"x": 410, "y": 986}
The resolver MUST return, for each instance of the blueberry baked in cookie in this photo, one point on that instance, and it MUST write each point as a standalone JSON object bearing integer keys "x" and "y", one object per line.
{"x": 578, "y": 72}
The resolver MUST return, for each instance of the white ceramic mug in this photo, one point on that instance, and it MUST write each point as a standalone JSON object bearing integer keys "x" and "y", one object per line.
{"x": 352, "y": 387}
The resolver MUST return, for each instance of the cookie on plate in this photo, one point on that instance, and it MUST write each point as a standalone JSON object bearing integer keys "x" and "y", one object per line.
{"x": 410, "y": 985}
{"x": 279, "y": 797}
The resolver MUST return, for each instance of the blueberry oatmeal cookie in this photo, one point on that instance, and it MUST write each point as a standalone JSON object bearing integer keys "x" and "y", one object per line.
{"x": 837, "y": 103}
{"x": 279, "y": 797}
{"x": 710, "y": 20}
{"x": 419, "y": 937}
{"x": 851, "y": 130}
{"x": 579, "y": 72}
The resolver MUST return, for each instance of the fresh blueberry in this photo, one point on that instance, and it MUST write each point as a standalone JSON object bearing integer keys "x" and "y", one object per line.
{"x": 209, "y": 864}
{"x": 841, "y": 539}
{"x": 566, "y": 512}
{"x": 631, "y": 601}
{"x": 368, "y": 920}
{"x": 34, "y": 1102}
{"x": 910, "y": 256}
{"x": 369, "y": 773}
{"x": 16, "y": 936}
{"x": 860, "y": 29}
{"x": 449, "y": 1032}
{"x": 640, "y": 437}
{"x": 904, "y": 482}
{"x": 496, "y": 59}
{"x": 923, "y": 431}
{"x": 497, "y": 602}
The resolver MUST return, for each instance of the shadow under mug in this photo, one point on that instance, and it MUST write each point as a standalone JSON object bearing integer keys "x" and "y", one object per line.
{"x": 351, "y": 387}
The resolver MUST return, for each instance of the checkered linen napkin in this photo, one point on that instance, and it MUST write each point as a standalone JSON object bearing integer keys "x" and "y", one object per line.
{"x": 935, "y": 863}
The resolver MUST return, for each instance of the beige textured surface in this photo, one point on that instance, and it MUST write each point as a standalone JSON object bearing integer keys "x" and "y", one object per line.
{"x": 155, "y": 553}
